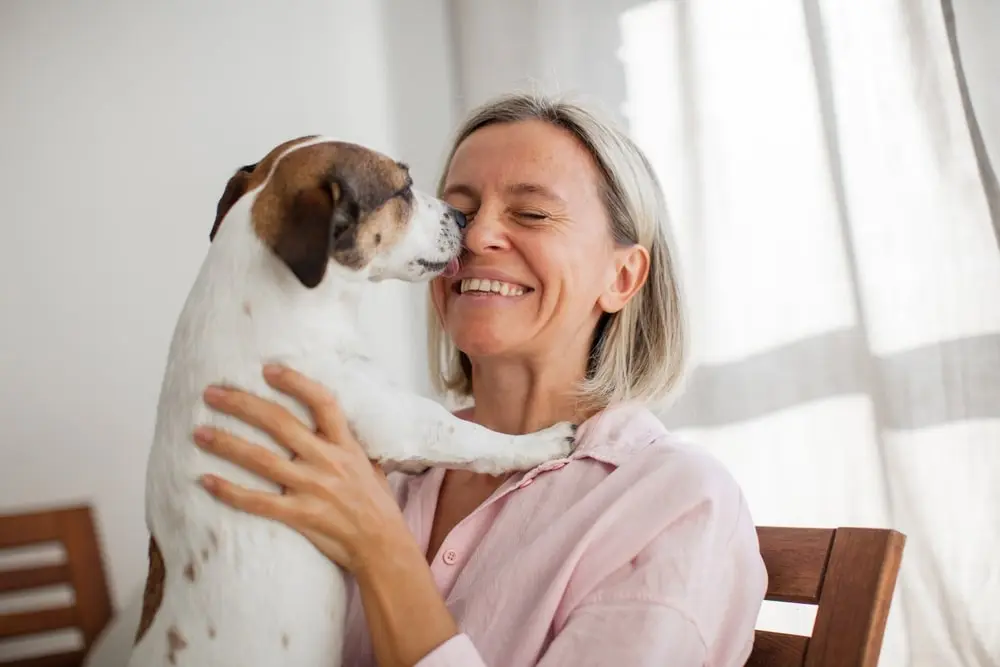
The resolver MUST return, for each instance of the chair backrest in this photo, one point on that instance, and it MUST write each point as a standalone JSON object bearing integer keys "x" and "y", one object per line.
{"x": 83, "y": 570}
{"x": 850, "y": 573}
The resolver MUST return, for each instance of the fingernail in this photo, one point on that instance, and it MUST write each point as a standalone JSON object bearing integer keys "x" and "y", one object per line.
{"x": 203, "y": 435}
{"x": 209, "y": 482}
{"x": 214, "y": 393}
{"x": 272, "y": 371}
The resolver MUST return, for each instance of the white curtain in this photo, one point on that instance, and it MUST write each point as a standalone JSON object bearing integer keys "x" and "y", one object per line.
{"x": 837, "y": 219}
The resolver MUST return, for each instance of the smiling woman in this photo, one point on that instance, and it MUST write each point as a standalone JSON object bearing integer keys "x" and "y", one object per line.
{"x": 636, "y": 549}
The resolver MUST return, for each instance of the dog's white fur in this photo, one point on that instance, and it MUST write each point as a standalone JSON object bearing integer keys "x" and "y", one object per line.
{"x": 242, "y": 591}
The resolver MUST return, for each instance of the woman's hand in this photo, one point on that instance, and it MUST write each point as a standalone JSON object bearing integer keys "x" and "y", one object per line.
{"x": 333, "y": 495}
{"x": 341, "y": 502}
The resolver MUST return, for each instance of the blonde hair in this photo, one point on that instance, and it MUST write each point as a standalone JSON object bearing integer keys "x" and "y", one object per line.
{"x": 638, "y": 353}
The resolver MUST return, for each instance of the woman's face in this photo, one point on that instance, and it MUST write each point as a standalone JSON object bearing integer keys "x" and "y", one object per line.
{"x": 540, "y": 265}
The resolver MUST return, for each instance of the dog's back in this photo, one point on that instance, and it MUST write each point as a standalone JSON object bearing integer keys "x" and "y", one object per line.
{"x": 231, "y": 578}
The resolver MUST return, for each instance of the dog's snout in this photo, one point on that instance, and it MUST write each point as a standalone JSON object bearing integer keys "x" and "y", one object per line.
{"x": 459, "y": 217}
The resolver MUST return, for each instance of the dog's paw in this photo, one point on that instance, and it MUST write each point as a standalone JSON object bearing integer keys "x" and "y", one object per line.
{"x": 560, "y": 439}
{"x": 533, "y": 449}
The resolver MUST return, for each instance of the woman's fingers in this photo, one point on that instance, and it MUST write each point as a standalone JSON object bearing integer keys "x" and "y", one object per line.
{"x": 326, "y": 412}
{"x": 257, "y": 459}
{"x": 301, "y": 513}
{"x": 262, "y": 503}
{"x": 273, "y": 419}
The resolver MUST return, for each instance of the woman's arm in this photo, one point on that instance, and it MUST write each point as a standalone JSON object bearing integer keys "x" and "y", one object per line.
{"x": 407, "y": 619}
{"x": 342, "y": 503}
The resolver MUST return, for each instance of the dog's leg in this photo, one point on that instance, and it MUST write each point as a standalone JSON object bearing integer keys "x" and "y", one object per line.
{"x": 410, "y": 433}
{"x": 153, "y": 593}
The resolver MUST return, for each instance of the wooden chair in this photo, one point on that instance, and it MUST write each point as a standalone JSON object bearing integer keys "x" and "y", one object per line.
{"x": 850, "y": 573}
{"x": 83, "y": 570}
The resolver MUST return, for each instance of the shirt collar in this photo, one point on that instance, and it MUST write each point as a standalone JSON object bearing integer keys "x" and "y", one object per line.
{"x": 617, "y": 433}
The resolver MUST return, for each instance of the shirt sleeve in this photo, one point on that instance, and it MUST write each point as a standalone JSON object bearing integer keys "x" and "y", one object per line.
{"x": 637, "y": 633}
{"x": 689, "y": 598}
{"x": 456, "y": 652}
{"x": 634, "y": 633}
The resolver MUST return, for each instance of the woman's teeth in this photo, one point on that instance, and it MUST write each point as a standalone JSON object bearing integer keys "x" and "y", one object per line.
{"x": 491, "y": 287}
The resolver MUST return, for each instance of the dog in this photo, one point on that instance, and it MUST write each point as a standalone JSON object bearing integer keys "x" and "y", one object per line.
{"x": 297, "y": 242}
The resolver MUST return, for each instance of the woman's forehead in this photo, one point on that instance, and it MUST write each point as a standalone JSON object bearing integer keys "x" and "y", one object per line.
{"x": 531, "y": 158}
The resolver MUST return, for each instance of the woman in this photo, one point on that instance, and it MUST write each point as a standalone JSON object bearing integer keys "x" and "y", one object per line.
{"x": 636, "y": 550}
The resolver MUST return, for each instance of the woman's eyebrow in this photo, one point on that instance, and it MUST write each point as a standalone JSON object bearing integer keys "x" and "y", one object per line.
{"x": 536, "y": 190}
{"x": 460, "y": 189}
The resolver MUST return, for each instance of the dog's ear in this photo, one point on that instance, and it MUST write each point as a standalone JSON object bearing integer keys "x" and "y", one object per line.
{"x": 321, "y": 224}
{"x": 304, "y": 236}
{"x": 235, "y": 188}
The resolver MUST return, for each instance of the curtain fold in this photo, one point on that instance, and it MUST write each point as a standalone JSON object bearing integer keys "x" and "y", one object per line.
{"x": 835, "y": 211}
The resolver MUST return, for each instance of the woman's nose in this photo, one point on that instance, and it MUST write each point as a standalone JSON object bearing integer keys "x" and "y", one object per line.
{"x": 486, "y": 232}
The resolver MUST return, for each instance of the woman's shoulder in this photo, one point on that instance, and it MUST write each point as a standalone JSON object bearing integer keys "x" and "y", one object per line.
{"x": 670, "y": 525}
{"x": 643, "y": 475}
{"x": 634, "y": 442}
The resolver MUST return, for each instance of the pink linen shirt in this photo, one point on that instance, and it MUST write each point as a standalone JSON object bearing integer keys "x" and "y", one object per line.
{"x": 636, "y": 550}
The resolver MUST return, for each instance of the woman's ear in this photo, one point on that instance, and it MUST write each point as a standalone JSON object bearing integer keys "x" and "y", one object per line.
{"x": 631, "y": 270}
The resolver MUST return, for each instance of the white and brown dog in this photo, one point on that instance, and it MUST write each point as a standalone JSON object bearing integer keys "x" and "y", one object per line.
{"x": 297, "y": 240}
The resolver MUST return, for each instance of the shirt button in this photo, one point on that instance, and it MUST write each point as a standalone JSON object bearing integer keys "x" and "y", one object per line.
{"x": 450, "y": 556}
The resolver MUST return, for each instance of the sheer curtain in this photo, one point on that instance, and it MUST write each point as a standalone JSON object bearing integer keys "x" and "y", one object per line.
{"x": 837, "y": 217}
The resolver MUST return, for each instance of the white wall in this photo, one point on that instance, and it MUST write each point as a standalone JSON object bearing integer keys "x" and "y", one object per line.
{"x": 120, "y": 122}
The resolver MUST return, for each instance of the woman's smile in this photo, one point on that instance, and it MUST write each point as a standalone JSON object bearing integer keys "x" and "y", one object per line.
{"x": 487, "y": 287}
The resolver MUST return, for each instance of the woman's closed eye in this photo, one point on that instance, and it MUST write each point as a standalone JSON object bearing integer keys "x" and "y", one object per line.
{"x": 533, "y": 216}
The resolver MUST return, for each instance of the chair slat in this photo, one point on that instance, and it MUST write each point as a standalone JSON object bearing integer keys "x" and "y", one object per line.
{"x": 854, "y": 604}
{"x": 83, "y": 555}
{"x": 23, "y": 623}
{"x": 796, "y": 561}
{"x": 22, "y": 530}
{"x": 776, "y": 649}
{"x": 68, "y": 659}
{"x": 33, "y": 577}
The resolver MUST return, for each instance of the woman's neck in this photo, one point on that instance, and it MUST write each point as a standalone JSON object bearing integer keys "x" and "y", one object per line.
{"x": 518, "y": 397}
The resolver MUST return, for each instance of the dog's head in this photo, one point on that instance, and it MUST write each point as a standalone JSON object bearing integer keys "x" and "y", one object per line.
{"x": 321, "y": 200}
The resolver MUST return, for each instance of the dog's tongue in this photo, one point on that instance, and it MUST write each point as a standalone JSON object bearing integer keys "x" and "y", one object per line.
{"x": 451, "y": 269}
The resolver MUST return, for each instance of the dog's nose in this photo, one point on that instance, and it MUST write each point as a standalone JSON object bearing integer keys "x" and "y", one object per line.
{"x": 460, "y": 218}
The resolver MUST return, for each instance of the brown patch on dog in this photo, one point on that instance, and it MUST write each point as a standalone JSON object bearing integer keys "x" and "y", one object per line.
{"x": 152, "y": 596}
{"x": 211, "y": 632}
{"x": 189, "y": 572}
{"x": 284, "y": 640}
{"x": 245, "y": 179}
{"x": 175, "y": 643}
{"x": 330, "y": 200}
{"x": 247, "y": 310}
{"x": 214, "y": 539}
{"x": 204, "y": 555}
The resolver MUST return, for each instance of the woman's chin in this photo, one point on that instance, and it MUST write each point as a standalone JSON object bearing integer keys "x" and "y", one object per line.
{"x": 483, "y": 345}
